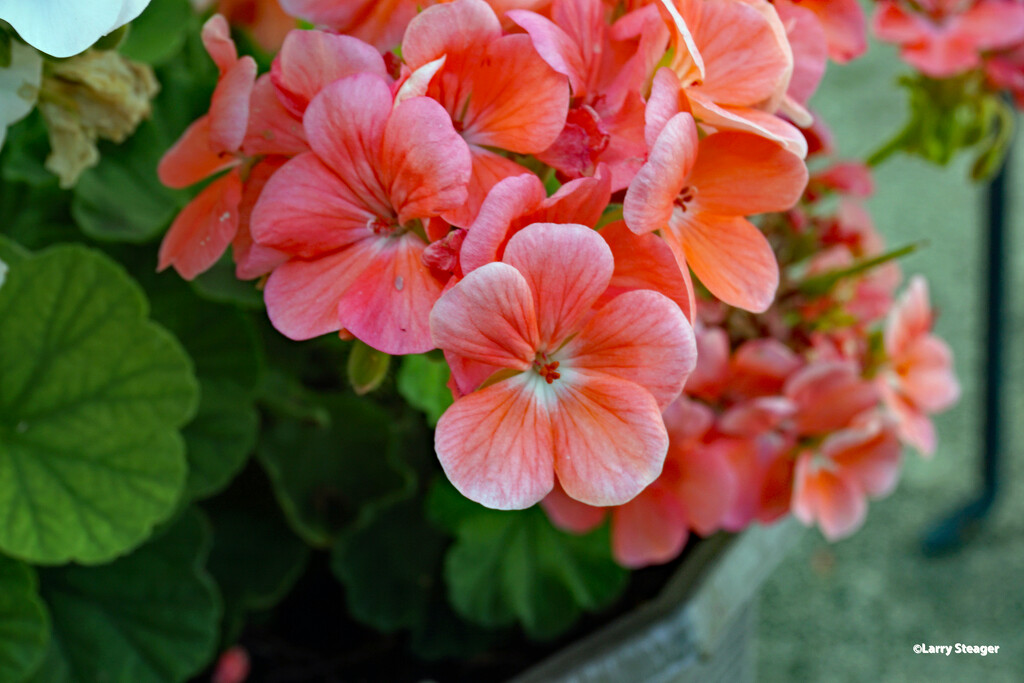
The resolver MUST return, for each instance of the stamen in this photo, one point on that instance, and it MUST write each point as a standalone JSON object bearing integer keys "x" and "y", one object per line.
{"x": 547, "y": 370}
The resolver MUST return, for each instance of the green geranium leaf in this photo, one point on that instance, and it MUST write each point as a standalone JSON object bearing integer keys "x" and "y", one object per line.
{"x": 423, "y": 382}
{"x": 256, "y": 557}
{"x": 91, "y": 397}
{"x": 324, "y": 474}
{"x": 220, "y": 438}
{"x": 159, "y": 32}
{"x": 24, "y": 625}
{"x": 509, "y": 566}
{"x": 389, "y": 562}
{"x": 149, "y": 617}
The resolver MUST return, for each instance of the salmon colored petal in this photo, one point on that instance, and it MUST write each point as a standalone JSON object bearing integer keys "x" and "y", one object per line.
{"x": 345, "y": 127}
{"x": 747, "y": 458}
{"x": 869, "y": 454}
{"x": 845, "y": 27}
{"x": 650, "y": 198}
{"x": 580, "y": 201}
{"x": 913, "y": 426}
{"x": 418, "y": 82}
{"x": 302, "y": 296}
{"x": 610, "y": 442}
{"x": 894, "y": 24}
{"x": 388, "y": 304}
{"x": 216, "y": 36}
{"x": 828, "y": 395}
{"x": 746, "y": 61}
{"x": 192, "y": 157}
{"x": 556, "y": 47}
{"x": 682, "y": 38}
{"x": 306, "y": 210}
{"x": 254, "y": 260}
{"x": 993, "y": 25}
{"x": 468, "y": 375}
{"x": 378, "y": 22}
{"x": 835, "y": 503}
{"x": 488, "y": 317}
{"x": 810, "y": 49}
{"x": 517, "y": 102}
{"x": 711, "y": 375}
{"x": 664, "y": 103}
{"x": 508, "y": 200}
{"x": 642, "y": 337}
{"x": 272, "y": 128}
{"x": 426, "y": 163}
{"x": 648, "y": 530}
{"x": 687, "y": 421}
{"x": 488, "y": 170}
{"x": 495, "y": 445}
{"x": 310, "y": 60}
{"x": 567, "y": 267}
{"x": 748, "y": 120}
{"x": 454, "y": 28}
{"x": 706, "y": 486}
{"x": 756, "y": 416}
{"x": 730, "y": 257}
{"x": 910, "y": 319}
{"x": 739, "y": 174}
{"x": 645, "y": 262}
{"x": 943, "y": 56}
{"x": 203, "y": 229}
{"x": 571, "y": 515}
{"x": 229, "y": 107}
{"x": 760, "y": 367}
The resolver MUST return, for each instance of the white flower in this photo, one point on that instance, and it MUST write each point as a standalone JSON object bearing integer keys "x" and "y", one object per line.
{"x": 66, "y": 27}
{"x": 19, "y": 85}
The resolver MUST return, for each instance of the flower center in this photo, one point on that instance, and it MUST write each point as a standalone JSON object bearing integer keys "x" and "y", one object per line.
{"x": 546, "y": 369}
{"x": 685, "y": 196}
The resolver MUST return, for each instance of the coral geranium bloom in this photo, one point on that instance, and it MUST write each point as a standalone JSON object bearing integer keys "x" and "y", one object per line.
{"x": 947, "y": 38}
{"x": 578, "y": 394}
{"x": 832, "y": 486}
{"x": 698, "y": 194}
{"x": 348, "y": 213}
{"x": 844, "y": 25}
{"x": 919, "y": 378}
{"x": 500, "y": 94}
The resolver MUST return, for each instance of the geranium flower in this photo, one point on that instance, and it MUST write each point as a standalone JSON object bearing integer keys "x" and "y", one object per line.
{"x": 831, "y": 486}
{"x": 918, "y": 379}
{"x": 578, "y": 394}
{"x": 947, "y": 38}
{"x": 697, "y": 193}
{"x": 66, "y": 27}
{"x": 843, "y": 23}
{"x": 349, "y": 214}
{"x": 500, "y": 94}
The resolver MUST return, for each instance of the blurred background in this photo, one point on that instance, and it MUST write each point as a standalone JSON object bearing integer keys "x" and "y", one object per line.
{"x": 852, "y": 611}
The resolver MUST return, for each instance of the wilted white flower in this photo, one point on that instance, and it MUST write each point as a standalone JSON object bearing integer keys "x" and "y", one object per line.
{"x": 19, "y": 86}
{"x": 66, "y": 27}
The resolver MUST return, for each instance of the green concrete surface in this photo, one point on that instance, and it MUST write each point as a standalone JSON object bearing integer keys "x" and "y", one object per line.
{"x": 852, "y": 611}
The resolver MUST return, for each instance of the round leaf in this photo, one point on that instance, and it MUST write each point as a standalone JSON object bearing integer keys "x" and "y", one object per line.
{"x": 24, "y": 627}
{"x": 91, "y": 396}
{"x": 150, "y": 617}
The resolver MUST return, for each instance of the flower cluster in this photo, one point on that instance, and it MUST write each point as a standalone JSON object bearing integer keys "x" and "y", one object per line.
{"x": 530, "y": 187}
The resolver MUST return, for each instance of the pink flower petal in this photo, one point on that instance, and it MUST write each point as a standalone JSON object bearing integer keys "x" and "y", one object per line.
{"x": 427, "y": 164}
{"x": 454, "y": 28}
{"x": 302, "y": 296}
{"x": 192, "y": 157}
{"x": 645, "y": 262}
{"x": 739, "y": 174}
{"x": 649, "y": 200}
{"x": 388, "y": 304}
{"x": 556, "y": 47}
{"x": 567, "y": 267}
{"x": 508, "y": 200}
{"x": 272, "y": 128}
{"x": 730, "y": 257}
{"x": 821, "y": 495}
{"x": 642, "y": 337}
{"x": 610, "y": 442}
{"x": 306, "y": 210}
{"x": 571, "y": 515}
{"x": 648, "y": 530}
{"x": 869, "y": 454}
{"x": 203, "y": 229}
{"x": 229, "y": 107}
{"x": 216, "y": 36}
{"x": 310, "y": 60}
{"x": 254, "y": 260}
{"x": 488, "y": 317}
{"x": 495, "y": 445}
{"x": 705, "y": 485}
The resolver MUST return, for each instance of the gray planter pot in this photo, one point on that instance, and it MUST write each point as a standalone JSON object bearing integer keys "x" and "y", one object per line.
{"x": 699, "y": 629}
